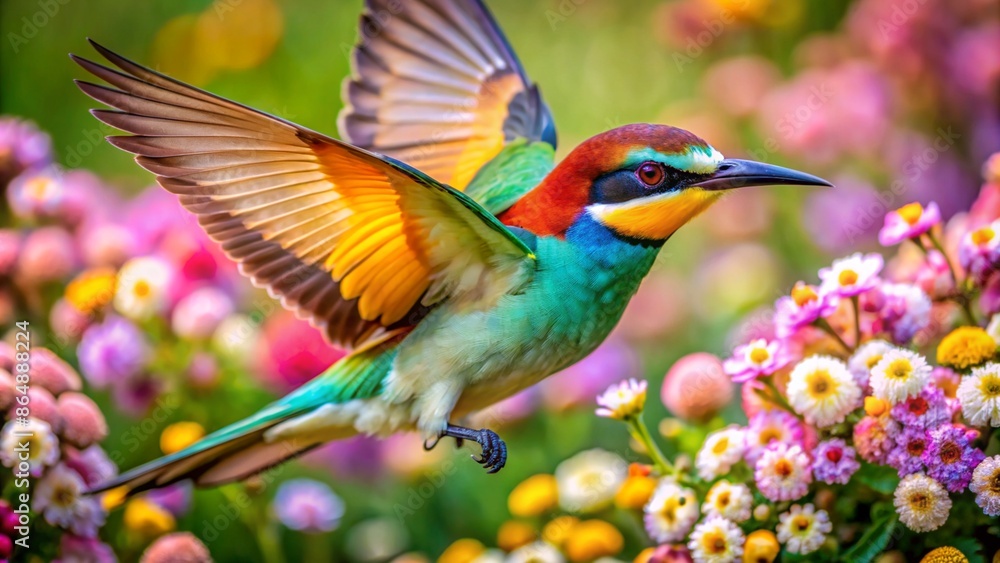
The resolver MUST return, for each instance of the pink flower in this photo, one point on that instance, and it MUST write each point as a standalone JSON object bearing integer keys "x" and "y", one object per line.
{"x": 979, "y": 250}
{"x": 783, "y": 473}
{"x": 803, "y": 307}
{"x": 755, "y": 359}
{"x": 84, "y": 422}
{"x": 852, "y": 275}
{"x": 834, "y": 462}
{"x": 696, "y": 387}
{"x": 909, "y": 221}
{"x": 196, "y": 316}
{"x": 770, "y": 427}
{"x": 295, "y": 352}
{"x": 874, "y": 437}
{"x": 179, "y": 546}
{"x": 47, "y": 255}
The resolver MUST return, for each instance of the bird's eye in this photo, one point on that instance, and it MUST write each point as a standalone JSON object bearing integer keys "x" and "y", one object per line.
{"x": 650, "y": 173}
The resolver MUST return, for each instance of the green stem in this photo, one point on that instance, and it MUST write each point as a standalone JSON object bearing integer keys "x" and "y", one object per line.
{"x": 775, "y": 397}
{"x": 639, "y": 431}
{"x": 825, "y": 326}
{"x": 857, "y": 321}
{"x": 961, "y": 298}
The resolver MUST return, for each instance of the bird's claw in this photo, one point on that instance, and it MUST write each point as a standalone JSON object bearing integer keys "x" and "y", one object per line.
{"x": 494, "y": 455}
{"x": 494, "y": 451}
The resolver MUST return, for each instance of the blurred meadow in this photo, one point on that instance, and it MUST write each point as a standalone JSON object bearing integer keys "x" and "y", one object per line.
{"x": 893, "y": 100}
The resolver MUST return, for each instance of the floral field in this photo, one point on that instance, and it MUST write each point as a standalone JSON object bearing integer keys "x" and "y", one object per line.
{"x": 806, "y": 375}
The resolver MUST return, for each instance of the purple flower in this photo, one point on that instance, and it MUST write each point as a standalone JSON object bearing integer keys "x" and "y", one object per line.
{"x": 22, "y": 145}
{"x": 755, "y": 359}
{"x": 175, "y": 499}
{"x": 834, "y": 462}
{"x": 925, "y": 411}
{"x": 805, "y": 304}
{"x": 902, "y": 310}
{"x": 950, "y": 457}
{"x": 852, "y": 275}
{"x": 979, "y": 250}
{"x": 76, "y": 549}
{"x": 135, "y": 394}
{"x": 909, "y": 221}
{"x": 308, "y": 506}
{"x": 112, "y": 352}
{"x": 769, "y": 427}
{"x": 93, "y": 464}
{"x": 36, "y": 194}
{"x": 905, "y": 456}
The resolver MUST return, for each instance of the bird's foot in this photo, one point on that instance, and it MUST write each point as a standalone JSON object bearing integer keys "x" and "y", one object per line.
{"x": 494, "y": 455}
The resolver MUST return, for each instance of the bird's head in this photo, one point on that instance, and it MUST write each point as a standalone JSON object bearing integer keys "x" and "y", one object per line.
{"x": 645, "y": 181}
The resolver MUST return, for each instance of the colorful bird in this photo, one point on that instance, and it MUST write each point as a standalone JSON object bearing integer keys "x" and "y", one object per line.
{"x": 438, "y": 241}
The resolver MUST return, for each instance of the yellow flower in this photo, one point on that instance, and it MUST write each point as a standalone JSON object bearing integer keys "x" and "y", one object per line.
{"x": 593, "y": 539}
{"x": 92, "y": 290}
{"x": 180, "y": 435}
{"x": 635, "y": 492}
{"x": 761, "y": 547}
{"x": 946, "y": 554}
{"x": 513, "y": 534}
{"x": 558, "y": 529}
{"x": 113, "y": 498}
{"x": 644, "y": 555}
{"x": 875, "y": 406}
{"x": 965, "y": 347}
{"x": 147, "y": 519}
{"x": 462, "y": 551}
{"x": 533, "y": 496}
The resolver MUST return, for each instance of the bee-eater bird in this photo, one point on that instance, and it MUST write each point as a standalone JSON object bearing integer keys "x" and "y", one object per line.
{"x": 438, "y": 241}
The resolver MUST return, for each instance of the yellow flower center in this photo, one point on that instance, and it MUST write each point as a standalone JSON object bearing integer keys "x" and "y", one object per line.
{"x": 982, "y": 236}
{"x": 911, "y": 212}
{"x": 783, "y": 468}
{"x": 723, "y": 499}
{"x": 900, "y": 369}
{"x": 36, "y": 187}
{"x": 821, "y": 385}
{"x": 989, "y": 386}
{"x": 803, "y": 294}
{"x": 966, "y": 347}
{"x": 64, "y": 496}
{"x": 847, "y": 277}
{"x": 720, "y": 445}
{"x": 714, "y": 542}
{"x": 920, "y": 502}
{"x": 945, "y": 554}
{"x": 759, "y": 355}
{"x": 769, "y": 435}
{"x": 802, "y": 523}
{"x": 670, "y": 507}
{"x": 141, "y": 289}
{"x": 872, "y": 360}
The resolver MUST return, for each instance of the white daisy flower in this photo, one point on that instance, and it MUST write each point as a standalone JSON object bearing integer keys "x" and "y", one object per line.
{"x": 803, "y": 529}
{"x": 622, "y": 400}
{"x": 823, "y": 391}
{"x": 670, "y": 512}
{"x": 979, "y": 395}
{"x": 783, "y": 473}
{"x": 852, "y": 275}
{"x": 898, "y": 375}
{"x": 42, "y": 446}
{"x": 587, "y": 482}
{"x": 729, "y": 501}
{"x": 61, "y": 497}
{"x": 986, "y": 484}
{"x": 721, "y": 450}
{"x": 922, "y": 503}
{"x": 716, "y": 540}
{"x": 536, "y": 552}
{"x": 865, "y": 358}
{"x": 141, "y": 290}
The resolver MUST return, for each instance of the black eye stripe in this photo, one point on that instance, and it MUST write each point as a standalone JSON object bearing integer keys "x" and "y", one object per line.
{"x": 625, "y": 184}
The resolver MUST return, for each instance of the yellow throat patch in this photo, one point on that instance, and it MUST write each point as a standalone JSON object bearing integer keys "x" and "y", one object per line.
{"x": 654, "y": 217}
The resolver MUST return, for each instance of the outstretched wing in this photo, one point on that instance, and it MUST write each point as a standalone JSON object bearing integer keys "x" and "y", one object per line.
{"x": 436, "y": 85}
{"x": 358, "y": 243}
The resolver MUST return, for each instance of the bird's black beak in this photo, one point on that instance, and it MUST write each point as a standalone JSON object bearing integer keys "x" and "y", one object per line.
{"x": 735, "y": 173}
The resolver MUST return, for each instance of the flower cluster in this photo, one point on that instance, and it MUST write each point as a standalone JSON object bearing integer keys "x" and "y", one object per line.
{"x": 50, "y": 441}
{"x": 843, "y": 402}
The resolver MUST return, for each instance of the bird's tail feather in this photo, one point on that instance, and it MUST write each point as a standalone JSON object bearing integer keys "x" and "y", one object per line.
{"x": 240, "y": 450}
